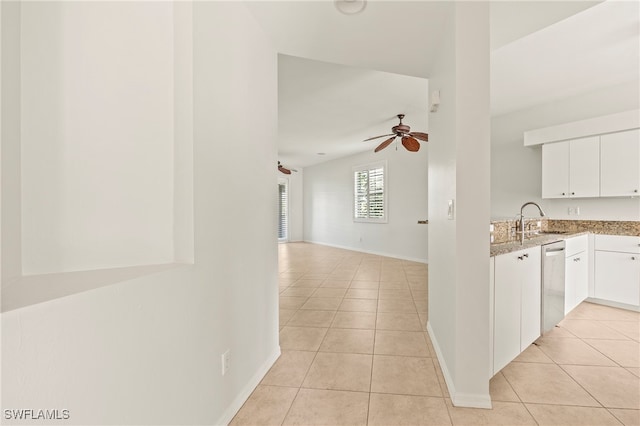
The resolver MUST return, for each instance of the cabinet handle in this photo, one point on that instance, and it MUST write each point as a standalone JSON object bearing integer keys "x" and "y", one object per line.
{"x": 526, "y": 255}
{"x": 564, "y": 193}
{"x": 520, "y": 257}
{"x": 635, "y": 190}
{"x": 577, "y": 259}
{"x": 573, "y": 193}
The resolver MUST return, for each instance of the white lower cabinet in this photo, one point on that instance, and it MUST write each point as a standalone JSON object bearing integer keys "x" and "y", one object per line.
{"x": 576, "y": 272}
{"x": 576, "y": 280}
{"x": 516, "y": 304}
{"x": 617, "y": 269}
{"x": 618, "y": 277}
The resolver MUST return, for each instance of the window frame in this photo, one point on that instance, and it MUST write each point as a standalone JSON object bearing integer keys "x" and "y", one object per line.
{"x": 385, "y": 193}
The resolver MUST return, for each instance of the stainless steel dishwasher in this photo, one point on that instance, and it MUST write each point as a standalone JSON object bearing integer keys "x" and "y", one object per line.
{"x": 553, "y": 255}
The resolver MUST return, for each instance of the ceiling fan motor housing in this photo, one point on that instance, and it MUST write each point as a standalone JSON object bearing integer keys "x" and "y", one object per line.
{"x": 400, "y": 129}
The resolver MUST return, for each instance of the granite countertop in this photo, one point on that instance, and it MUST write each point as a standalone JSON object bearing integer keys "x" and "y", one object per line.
{"x": 513, "y": 244}
{"x": 555, "y": 230}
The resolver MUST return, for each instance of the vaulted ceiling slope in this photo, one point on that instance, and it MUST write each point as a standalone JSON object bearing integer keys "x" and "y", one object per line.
{"x": 594, "y": 49}
{"x": 329, "y": 108}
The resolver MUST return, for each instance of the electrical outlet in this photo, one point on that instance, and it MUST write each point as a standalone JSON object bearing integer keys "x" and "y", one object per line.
{"x": 577, "y": 210}
{"x": 225, "y": 362}
{"x": 570, "y": 211}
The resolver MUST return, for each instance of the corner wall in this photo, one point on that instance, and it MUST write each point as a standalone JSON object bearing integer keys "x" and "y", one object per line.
{"x": 516, "y": 170}
{"x": 328, "y": 204}
{"x": 459, "y": 163}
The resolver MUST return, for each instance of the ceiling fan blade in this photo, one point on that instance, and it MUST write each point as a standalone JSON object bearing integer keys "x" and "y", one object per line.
{"x": 420, "y": 135}
{"x": 284, "y": 170}
{"x": 384, "y": 144}
{"x": 410, "y": 143}
{"x": 381, "y": 136}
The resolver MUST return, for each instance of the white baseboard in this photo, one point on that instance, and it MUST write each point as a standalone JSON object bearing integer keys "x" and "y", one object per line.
{"x": 457, "y": 399}
{"x": 242, "y": 397}
{"x": 471, "y": 400}
{"x": 377, "y": 253}
{"x": 613, "y": 304}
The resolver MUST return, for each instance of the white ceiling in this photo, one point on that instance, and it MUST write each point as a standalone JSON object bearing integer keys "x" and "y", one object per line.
{"x": 542, "y": 51}
{"x": 594, "y": 49}
{"x": 393, "y": 36}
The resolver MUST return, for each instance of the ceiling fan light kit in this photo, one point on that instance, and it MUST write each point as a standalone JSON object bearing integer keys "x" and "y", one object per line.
{"x": 403, "y": 131}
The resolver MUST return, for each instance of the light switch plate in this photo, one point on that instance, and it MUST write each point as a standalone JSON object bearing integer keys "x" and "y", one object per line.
{"x": 450, "y": 210}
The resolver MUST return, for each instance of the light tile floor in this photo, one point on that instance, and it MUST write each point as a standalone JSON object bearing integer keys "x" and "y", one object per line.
{"x": 355, "y": 352}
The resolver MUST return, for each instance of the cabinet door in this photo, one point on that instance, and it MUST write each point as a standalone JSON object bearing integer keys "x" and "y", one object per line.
{"x": 555, "y": 170}
{"x": 620, "y": 164}
{"x": 530, "y": 274}
{"x": 584, "y": 167}
{"x": 506, "y": 338}
{"x": 617, "y": 277}
{"x": 576, "y": 281}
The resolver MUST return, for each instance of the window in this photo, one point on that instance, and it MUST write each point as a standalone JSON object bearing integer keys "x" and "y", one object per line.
{"x": 370, "y": 200}
{"x": 283, "y": 210}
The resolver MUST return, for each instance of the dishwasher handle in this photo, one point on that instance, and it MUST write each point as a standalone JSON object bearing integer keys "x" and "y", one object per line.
{"x": 554, "y": 252}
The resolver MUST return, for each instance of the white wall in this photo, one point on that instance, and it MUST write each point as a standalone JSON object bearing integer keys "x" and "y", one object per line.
{"x": 11, "y": 214}
{"x": 516, "y": 169}
{"x": 146, "y": 351}
{"x": 296, "y": 201}
{"x": 459, "y": 156}
{"x": 97, "y": 151}
{"x": 328, "y": 203}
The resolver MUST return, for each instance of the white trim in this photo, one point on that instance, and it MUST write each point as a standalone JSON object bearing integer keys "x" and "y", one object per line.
{"x": 457, "y": 399}
{"x": 377, "y": 253}
{"x": 611, "y": 123}
{"x": 613, "y": 304}
{"x": 367, "y": 167}
{"x": 242, "y": 397}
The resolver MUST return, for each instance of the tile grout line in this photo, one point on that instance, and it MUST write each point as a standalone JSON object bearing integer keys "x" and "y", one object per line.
{"x": 308, "y": 368}
{"x": 373, "y": 354}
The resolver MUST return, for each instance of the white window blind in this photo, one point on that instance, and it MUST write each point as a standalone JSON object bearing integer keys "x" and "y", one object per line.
{"x": 369, "y": 193}
{"x": 283, "y": 210}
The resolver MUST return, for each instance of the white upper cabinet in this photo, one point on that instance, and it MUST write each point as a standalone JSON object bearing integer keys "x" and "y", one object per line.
{"x": 584, "y": 167}
{"x": 555, "y": 170}
{"x": 571, "y": 169}
{"x": 620, "y": 164}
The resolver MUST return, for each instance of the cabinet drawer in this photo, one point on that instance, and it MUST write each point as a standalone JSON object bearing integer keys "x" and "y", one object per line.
{"x": 621, "y": 243}
{"x": 576, "y": 245}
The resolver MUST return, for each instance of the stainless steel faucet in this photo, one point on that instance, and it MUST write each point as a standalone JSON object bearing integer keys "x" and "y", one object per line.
{"x": 521, "y": 224}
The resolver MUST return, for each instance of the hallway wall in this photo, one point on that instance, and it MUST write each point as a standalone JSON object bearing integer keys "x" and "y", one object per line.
{"x": 147, "y": 350}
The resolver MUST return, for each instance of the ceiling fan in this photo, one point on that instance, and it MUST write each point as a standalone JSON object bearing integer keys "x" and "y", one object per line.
{"x": 409, "y": 138}
{"x": 286, "y": 171}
